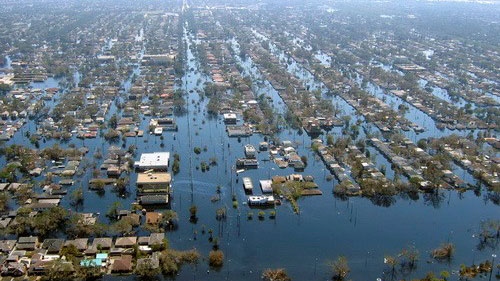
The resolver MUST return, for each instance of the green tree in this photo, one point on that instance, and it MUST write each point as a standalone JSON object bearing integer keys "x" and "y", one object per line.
{"x": 146, "y": 269}
{"x": 59, "y": 270}
{"x": 4, "y": 201}
{"x": 112, "y": 212}
{"x": 329, "y": 139}
{"x": 113, "y": 122}
{"x": 123, "y": 226}
{"x": 50, "y": 221}
{"x": 77, "y": 197}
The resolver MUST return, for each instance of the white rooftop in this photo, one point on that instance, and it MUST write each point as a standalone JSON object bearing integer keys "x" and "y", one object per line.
{"x": 155, "y": 160}
{"x": 229, "y": 116}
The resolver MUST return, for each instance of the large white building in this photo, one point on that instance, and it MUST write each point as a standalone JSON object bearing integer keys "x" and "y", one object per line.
{"x": 155, "y": 161}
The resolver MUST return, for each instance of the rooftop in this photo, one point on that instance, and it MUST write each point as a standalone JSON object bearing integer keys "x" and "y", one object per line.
{"x": 155, "y": 160}
{"x": 152, "y": 178}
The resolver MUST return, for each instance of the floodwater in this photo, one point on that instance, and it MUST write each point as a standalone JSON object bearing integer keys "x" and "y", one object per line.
{"x": 327, "y": 227}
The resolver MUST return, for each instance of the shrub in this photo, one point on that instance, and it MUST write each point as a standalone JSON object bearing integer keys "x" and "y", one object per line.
{"x": 261, "y": 215}
{"x": 275, "y": 275}
{"x": 444, "y": 252}
{"x": 216, "y": 258}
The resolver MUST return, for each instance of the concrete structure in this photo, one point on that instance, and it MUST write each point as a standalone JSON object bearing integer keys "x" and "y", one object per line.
{"x": 155, "y": 161}
{"x": 250, "y": 151}
{"x": 247, "y": 184}
{"x": 266, "y": 186}
{"x": 153, "y": 188}
{"x": 260, "y": 200}
{"x": 153, "y": 182}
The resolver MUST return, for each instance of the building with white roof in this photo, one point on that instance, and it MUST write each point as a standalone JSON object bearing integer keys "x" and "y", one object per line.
{"x": 155, "y": 161}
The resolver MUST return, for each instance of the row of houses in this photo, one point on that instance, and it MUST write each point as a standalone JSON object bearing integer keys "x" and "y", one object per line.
{"x": 29, "y": 255}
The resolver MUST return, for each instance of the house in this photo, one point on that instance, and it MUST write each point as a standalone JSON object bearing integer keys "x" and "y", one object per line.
{"x": 63, "y": 266}
{"x": 123, "y": 264}
{"x": 134, "y": 219}
{"x": 27, "y": 243}
{"x": 279, "y": 179}
{"x": 4, "y": 222}
{"x": 153, "y": 218}
{"x": 6, "y": 246}
{"x": 159, "y": 199}
{"x": 13, "y": 269}
{"x": 247, "y": 184}
{"x": 247, "y": 163}
{"x": 125, "y": 242}
{"x": 287, "y": 143}
{"x": 156, "y": 239}
{"x": 154, "y": 260}
{"x": 295, "y": 177}
{"x": 81, "y": 243}
{"x": 143, "y": 240}
{"x": 230, "y": 118}
{"x": 53, "y": 246}
{"x": 4, "y": 186}
{"x": 263, "y": 146}
{"x": 260, "y": 200}
{"x": 103, "y": 243}
{"x": 113, "y": 171}
{"x": 38, "y": 266}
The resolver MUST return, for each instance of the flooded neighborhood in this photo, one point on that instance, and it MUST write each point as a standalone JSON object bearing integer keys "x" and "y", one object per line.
{"x": 249, "y": 140}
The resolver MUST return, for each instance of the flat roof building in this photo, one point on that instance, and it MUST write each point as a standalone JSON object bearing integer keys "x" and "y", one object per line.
{"x": 155, "y": 161}
{"x": 145, "y": 179}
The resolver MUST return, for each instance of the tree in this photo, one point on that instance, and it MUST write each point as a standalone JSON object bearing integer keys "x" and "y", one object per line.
{"x": 340, "y": 268}
{"x": 444, "y": 252}
{"x": 275, "y": 275}
{"x": 4, "y": 88}
{"x": 392, "y": 262}
{"x": 8, "y": 173}
{"x": 50, "y": 221}
{"x": 146, "y": 269}
{"x": 123, "y": 226}
{"x": 329, "y": 139}
{"x": 4, "y": 201}
{"x": 77, "y": 197}
{"x": 89, "y": 273}
{"x": 59, "y": 270}
{"x": 176, "y": 166}
{"x": 409, "y": 258}
{"x": 422, "y": 143}
{"x": 169, "y": 219}
{"x": 113, "y": 121}
{"x": 112, "y": 212}
{"x": 121, "y": 184}
{"x": 193, "y": 210}
{"x": 23, "y": 222}
{"x": 216, "y": 258}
